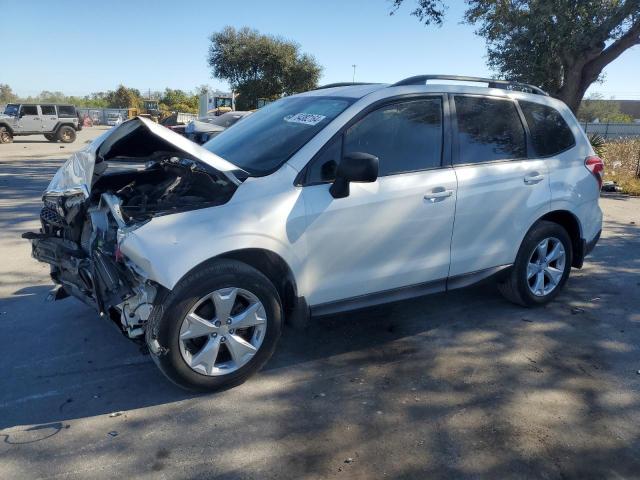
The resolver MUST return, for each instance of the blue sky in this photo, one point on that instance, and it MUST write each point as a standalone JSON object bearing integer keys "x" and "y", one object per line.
{"x": 80, "y": 47}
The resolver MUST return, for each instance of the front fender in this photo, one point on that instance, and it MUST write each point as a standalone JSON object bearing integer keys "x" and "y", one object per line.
{"x": 166, "y": 263}
{"x": 167, "y": 247}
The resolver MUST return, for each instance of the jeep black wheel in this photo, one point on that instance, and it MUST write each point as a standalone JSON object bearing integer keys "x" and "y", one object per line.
{"x": 217, "y": 327}
{"x": 5, "y": 135}
{"x": 51, "y": 137}
{"x": 66, "y": 134}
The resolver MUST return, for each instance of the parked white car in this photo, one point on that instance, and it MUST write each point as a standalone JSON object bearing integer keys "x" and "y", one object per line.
{"x": 114, "y": 119}
{"x": 332, "y": 200}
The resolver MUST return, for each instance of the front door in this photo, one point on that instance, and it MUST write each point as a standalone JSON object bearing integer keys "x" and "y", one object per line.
{"x": 394, "y": 232}
{"x": 29, "y": 119}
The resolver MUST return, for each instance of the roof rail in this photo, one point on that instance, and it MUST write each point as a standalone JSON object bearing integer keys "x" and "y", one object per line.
{"x": 492, "y": 83}
{"x": 343, "y": 84}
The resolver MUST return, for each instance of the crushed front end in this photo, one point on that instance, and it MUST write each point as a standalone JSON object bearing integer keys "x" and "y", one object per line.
{"x": 115, "y": 185}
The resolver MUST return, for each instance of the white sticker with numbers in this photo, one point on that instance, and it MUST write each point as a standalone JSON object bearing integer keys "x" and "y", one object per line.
{"x": 305, "y": 118}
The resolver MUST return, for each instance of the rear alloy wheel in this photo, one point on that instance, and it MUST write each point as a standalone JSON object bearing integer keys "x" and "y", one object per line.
{"x": 542, "y": 266}
{"x": 5, "y": 135}
{"x": 217, "y": 327}
{"x": 546, "y": 266}
{"x": 66, "y": 134}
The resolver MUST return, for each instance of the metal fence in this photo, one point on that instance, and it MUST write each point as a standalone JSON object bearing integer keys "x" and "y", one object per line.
{"x": 613, "y": 130}
{"x": 100, "y": 116}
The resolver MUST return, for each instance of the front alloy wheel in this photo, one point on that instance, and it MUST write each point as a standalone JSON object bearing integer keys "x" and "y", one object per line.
{"x": 218, "y": 326}
{"x": 223, "y": 331}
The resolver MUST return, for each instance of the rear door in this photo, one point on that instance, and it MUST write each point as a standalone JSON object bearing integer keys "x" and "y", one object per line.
{"x": 49, "y": 117}
{"x": 501, "y": 191}
{"x": 29, "y": 119}
{"x": 391, "y": 233}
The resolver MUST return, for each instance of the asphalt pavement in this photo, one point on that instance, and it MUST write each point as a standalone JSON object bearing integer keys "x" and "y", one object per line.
{"x": 457, "y": 385}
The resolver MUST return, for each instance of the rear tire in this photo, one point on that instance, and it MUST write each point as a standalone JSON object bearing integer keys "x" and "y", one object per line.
{"x": 5, "y": 135}
{"x": 66, "y": 134}
{"x": 178, "y": 358}
{"x": 536, "y": 279}
{"x": 51, "y": 137}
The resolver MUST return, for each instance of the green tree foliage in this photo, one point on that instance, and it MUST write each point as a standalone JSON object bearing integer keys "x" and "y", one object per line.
{"x": 6, "y": 94}
{"x": 124, "y": 97}
{"x": 179, "y": 101}
{"x": 596, "y": 108}
{"x": 561, "y": 46}
{"x": 260, "y": 66}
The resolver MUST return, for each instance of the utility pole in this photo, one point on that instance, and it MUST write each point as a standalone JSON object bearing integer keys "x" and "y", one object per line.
{"x": 354, "y": 73}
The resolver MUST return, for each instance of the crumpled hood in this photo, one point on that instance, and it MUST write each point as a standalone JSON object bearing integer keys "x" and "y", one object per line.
{"x": 75, "y": 175}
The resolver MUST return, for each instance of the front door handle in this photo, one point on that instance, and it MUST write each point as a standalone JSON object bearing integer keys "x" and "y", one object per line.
{"x": 438, "y": 194}
{"x": 533, "y": 178}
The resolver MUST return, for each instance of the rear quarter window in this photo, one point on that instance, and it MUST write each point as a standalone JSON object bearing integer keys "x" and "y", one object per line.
{"x": 550, "y": 134}
{"x": 66, "y": 111}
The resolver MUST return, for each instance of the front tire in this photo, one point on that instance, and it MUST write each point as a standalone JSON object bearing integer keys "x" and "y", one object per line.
{"x": 66, "y": 134}
{"x": 219, "y": 325}
{"x": 5, "y": 135}
{"x": 542, "y": 266}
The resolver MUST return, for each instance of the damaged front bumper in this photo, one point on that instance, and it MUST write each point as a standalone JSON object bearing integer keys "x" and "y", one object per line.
{"x": 101, "y": 278}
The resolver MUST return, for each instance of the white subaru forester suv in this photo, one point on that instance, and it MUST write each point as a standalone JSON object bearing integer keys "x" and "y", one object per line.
{"x": 336, "y": 199}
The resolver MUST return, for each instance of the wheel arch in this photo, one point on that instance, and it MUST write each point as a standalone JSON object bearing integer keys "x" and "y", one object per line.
{"x": 272, "y": 266}
{"x": 59, "y": 125}
{"x": 571, "y": 224}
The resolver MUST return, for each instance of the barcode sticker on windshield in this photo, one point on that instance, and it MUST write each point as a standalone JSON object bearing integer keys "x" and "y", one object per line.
{"x": 305, "y": 118}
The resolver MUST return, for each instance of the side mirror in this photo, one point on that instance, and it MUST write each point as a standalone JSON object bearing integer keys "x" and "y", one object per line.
{"x": 354, "y": 167}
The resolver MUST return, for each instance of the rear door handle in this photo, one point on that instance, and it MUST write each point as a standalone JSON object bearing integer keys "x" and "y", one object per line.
{"x": 438, "y": 194}
{"x": 533, "y": 178}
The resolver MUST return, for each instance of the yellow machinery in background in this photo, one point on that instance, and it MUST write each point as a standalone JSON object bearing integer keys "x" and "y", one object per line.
{"x": 150, "y": 109}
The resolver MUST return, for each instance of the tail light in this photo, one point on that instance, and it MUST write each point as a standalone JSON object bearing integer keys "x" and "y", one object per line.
{"x": 595, "y": 165}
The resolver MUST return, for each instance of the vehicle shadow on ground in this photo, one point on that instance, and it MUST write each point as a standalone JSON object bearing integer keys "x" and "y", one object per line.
{"x": 457, "y": 385}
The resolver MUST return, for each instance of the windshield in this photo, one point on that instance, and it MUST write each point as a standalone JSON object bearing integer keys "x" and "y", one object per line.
{"x": 11, "y": 109}
{"x": 267, "y": 138}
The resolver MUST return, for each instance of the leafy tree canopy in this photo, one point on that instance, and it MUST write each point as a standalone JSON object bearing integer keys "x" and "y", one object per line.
{"x": 6, "y": 94}
{"x": 171, "y": 100}
{"x": 260, "y": 66}
{"x": 561, "y": 46}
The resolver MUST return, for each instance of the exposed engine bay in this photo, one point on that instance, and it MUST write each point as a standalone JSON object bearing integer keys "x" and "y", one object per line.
{"x": 135, "y": 176}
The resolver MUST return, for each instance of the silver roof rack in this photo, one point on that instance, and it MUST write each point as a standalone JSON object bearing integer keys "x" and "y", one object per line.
{"x": 491, "y": 82}
{"x": 343, "y": 84}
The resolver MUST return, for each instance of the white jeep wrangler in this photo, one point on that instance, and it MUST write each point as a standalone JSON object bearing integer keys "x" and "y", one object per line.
{"x": 55, "y": 122}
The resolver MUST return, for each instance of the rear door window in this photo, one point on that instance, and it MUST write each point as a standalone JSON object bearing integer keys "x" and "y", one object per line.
{"x": 48, "y": 109}
{"x": 489, "y": 129}
{"x": 550, "y": 134}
